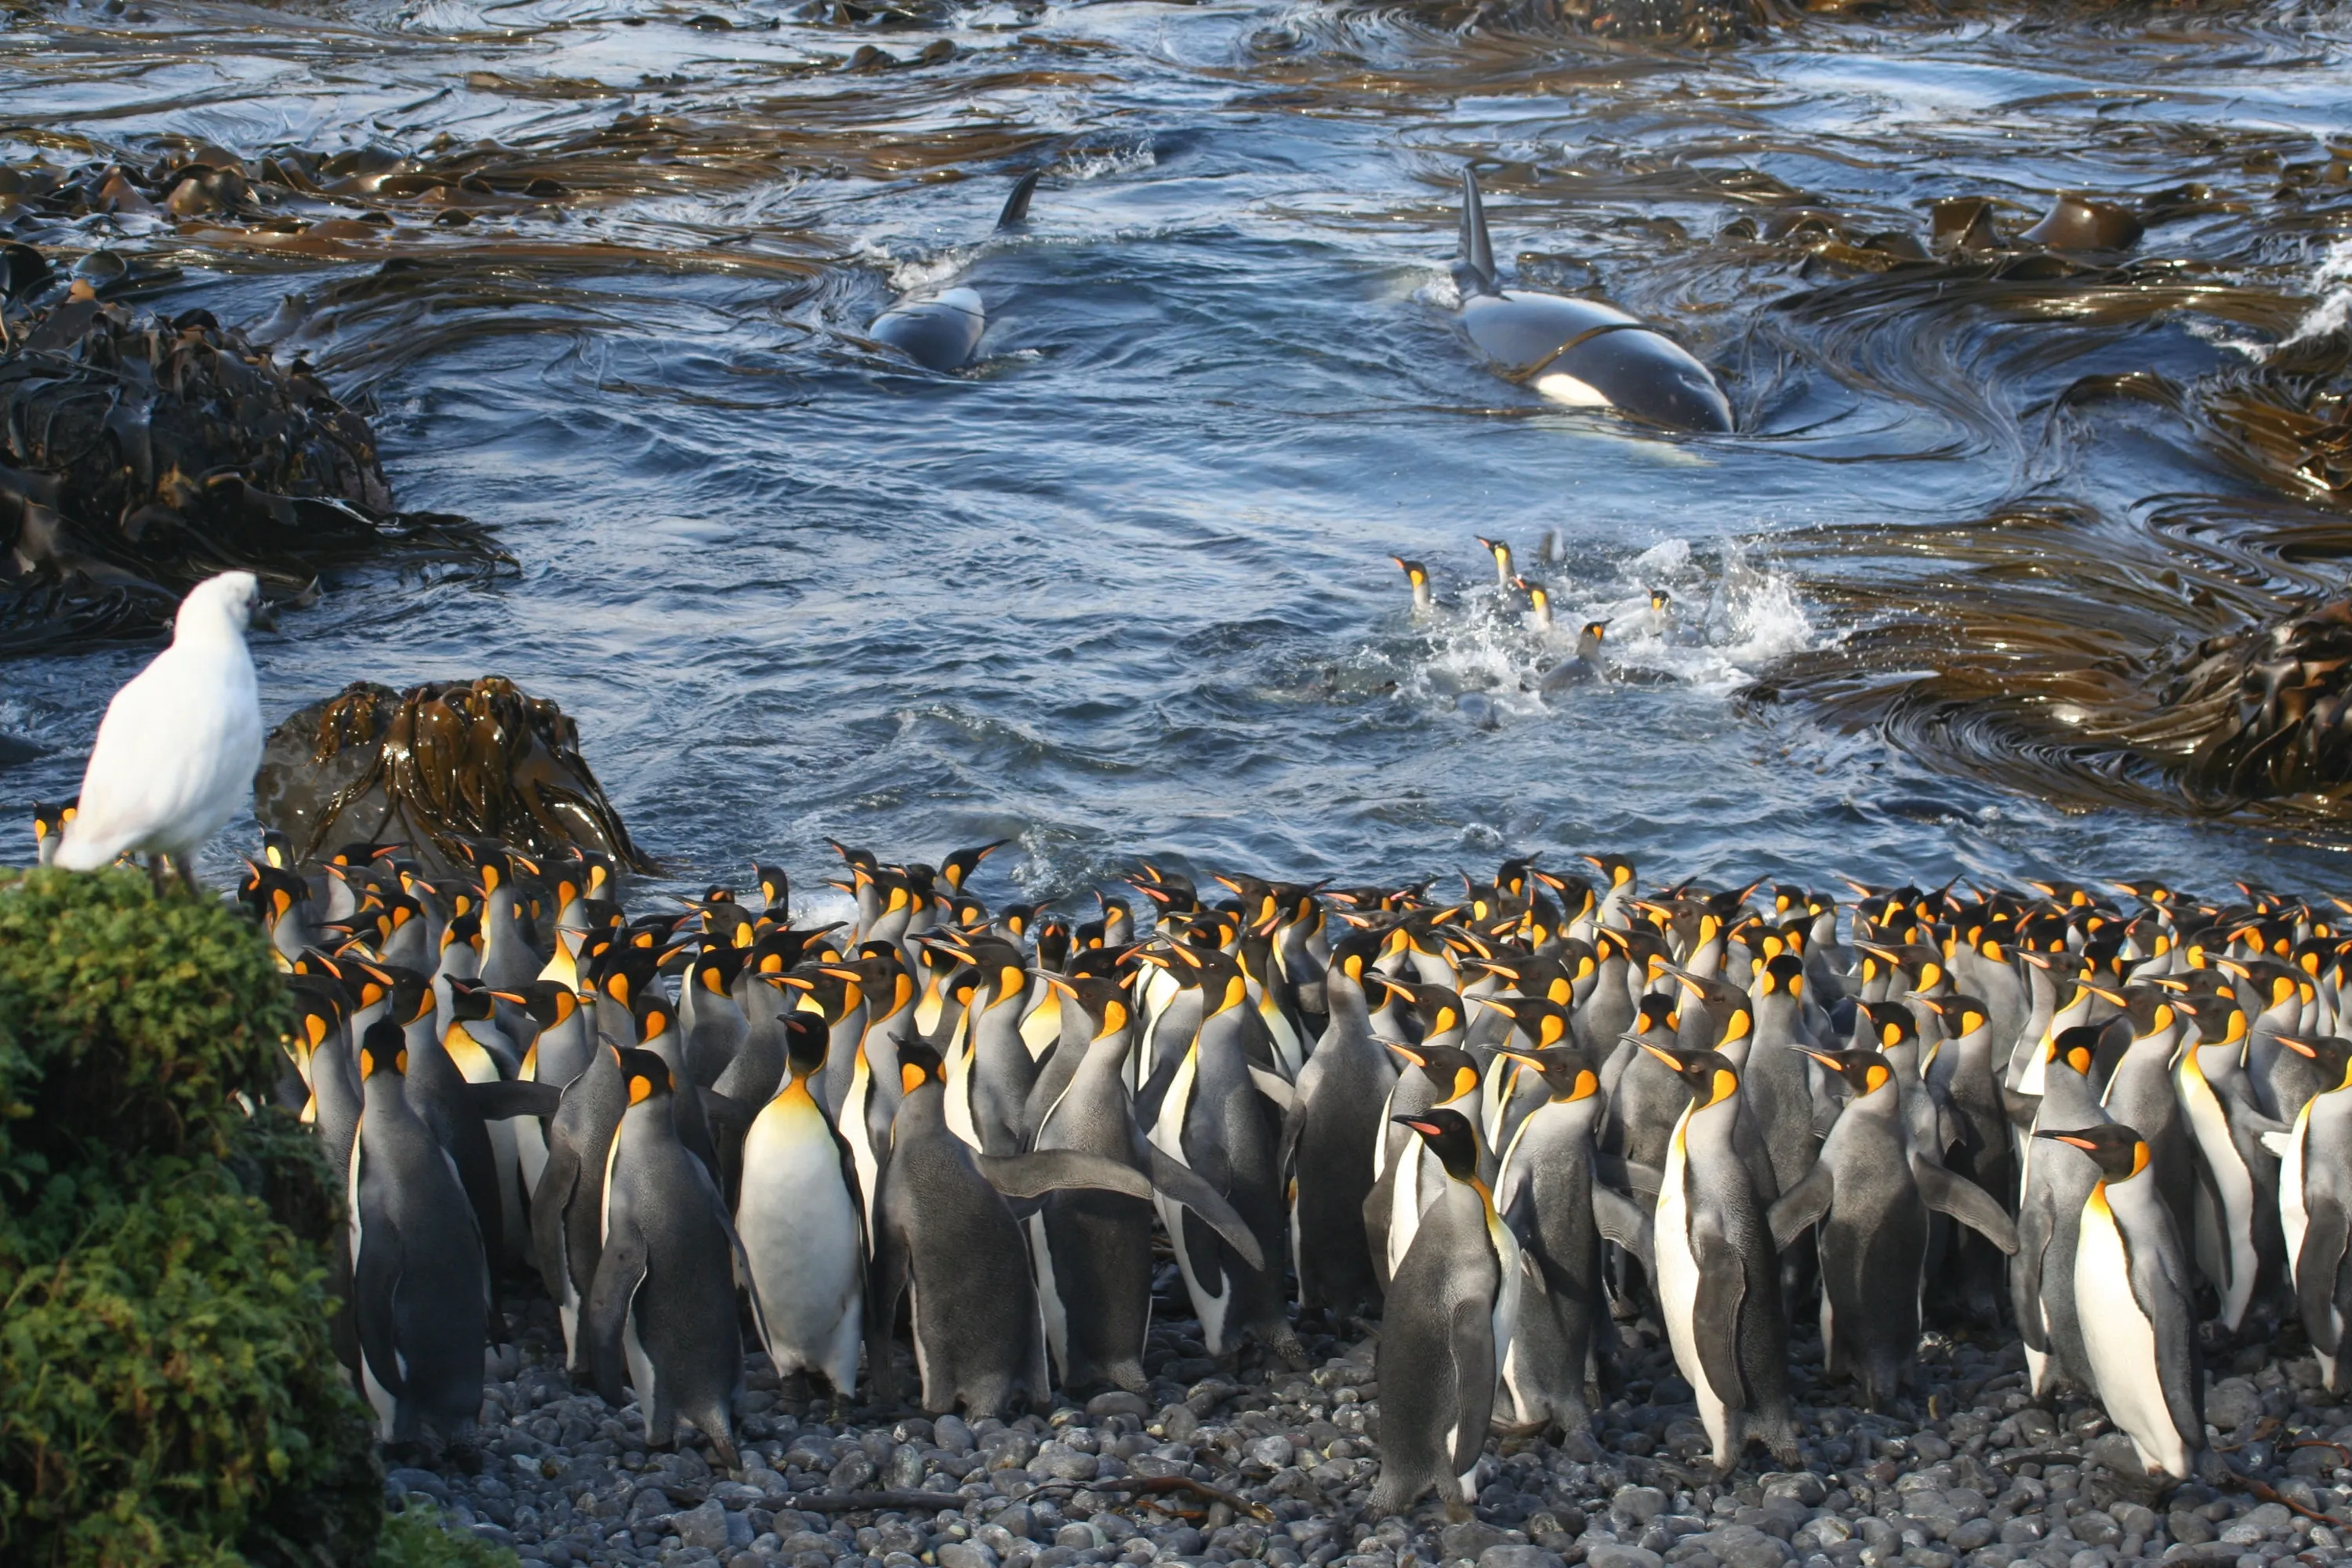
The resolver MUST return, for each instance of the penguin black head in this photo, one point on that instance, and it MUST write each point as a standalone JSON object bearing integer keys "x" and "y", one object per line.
{"x": 1354, "y": 954}
{"x": 776, "y": 887}
{"x": 49, "y": 820}
{"x": 1865, "y": 1071}
{"x": 1539, "y": 1018}
{"x": 2077, "y": 1047}
{"x": 2121, "y": 1153}
{"x": 1727, "y": 1007}
{"x": 1454, "y": 1070}
{"x": 805, "y": 1040}
{"x": 411, "y": 997}
{"x": 918, "y": 1066}
{"x": 1962, "y": 1015}
{"x": 1708, "y": 1075}
{"x": 548, "y": 1002}
{"x": 1415, "y": 572}
{"x": 2214, "y": 1008}
{"x": 2333, "y": 1053}
{"x": 1781, "y": 975}
{"x": 469, "y": 1000}
{"x": 961, "y": 864}
{"x": 2149, "y": 1007}
{"x": 1448, "y": 1135}
{"x": 646, "y": 1074}
{"x": 1437, "y": 1008}
{"x": 1567, "y": 1071}
{"x": 654, "y": 1015}
{"x": 1891, "y": 1024}
{"x": 1102, "y": 999}
{"x": 1659, "y": 601}
{"x": 1657, "y": 1015}
{"x": 382, "y": 1049}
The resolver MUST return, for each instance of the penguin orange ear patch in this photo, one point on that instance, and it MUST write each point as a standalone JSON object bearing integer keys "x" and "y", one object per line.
{"x": 400, "y": 1062}
{"x": 367, "y": 1063}
{"x": 1114, "y": 1017}
{"x": 911, "y": 1077}
{"x": 640, "y": 1087}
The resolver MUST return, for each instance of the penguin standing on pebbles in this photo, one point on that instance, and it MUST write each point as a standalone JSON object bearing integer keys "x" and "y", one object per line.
{"x": 2315, "y": 1203}
{"x": 803, "y": 1225}
{"x": 421, "y": 1286}
{"x": 1717, "y": 1277}
{"x": 664, "y": 1300}
{"x": 1451, "y": 1310}
{"x": 2136, "y": 1296}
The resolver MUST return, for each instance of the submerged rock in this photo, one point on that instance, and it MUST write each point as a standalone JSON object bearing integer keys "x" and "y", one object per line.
{"x": 432, "y": 766}
{"x": 139, "y": 455}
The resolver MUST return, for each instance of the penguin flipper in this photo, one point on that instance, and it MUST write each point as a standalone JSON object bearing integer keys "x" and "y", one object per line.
{"x": 1965, "y": 1201}
{"x": 1802, "y": 1206}
{"x": 375, "y": 1275}
{"x": 1274, "y": 1085}
{"x": 1470, "y": 1337}
{"x": 503, "y": 1099}
{"x": 1623, "y": 1221}
{"x": 726, "y": 1110}
{"x": 619, "y": 1272}
{"x": 2317, "y": 1267}
{"x": 1715, "y": 1315}
{"x": 1177, "y": 1182}
{"x": 1042, "y": 1171}
{"x": 556, "y": 1180}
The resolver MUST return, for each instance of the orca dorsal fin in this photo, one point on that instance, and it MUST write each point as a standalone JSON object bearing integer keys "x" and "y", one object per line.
{"x": 1473, "y": 258}
{"x": 1016, "y": 206}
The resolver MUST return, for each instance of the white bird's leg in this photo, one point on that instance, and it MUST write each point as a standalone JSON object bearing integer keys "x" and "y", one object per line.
{"x": 157, "y": 871}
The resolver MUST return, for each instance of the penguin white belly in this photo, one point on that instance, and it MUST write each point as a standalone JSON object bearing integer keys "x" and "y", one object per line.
{"x": 2295, "y": 1216}
{"x": 1419, "y": 1179}
{"x": 856, "y": 1133}
{"x": 959, "y": 1122}
{"x": 2121, "y": 1341}
{"x": 2210, "y": 1124}
{"x": 1049, "y": 1295}
{"x": 1678, "y": 1278}
{"x": 530, "y": 1150}
{"x": 1168, "y": 1136}
{"x": 1512, "y": 1280}
{"x": 800, "y": 1236}
{"x": 641, "y": 1366}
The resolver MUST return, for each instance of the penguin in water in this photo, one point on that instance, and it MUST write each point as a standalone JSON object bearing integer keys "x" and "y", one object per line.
{"x": 1423, "y": 600}
{"x": 421, "y": 1281}
{"x": 1870, "y": 1193}
{"x": 1582, "y": 666}
{"x": 1451, "y": 1311}
{"x": 2136, "y": 1296}
{"x": 1717, "y": 1278}
{"x": 939, "y": 332}
{"x": 1576, "y": 351}
{"x": 945, "y": 1236}
{"x": 664, "y": 1300}
{"x": 2315, "y": 1203}
{"x": 803, "y": 1225}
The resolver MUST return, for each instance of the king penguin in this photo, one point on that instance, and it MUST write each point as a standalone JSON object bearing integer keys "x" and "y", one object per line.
{"x": 2135, "y": 1297}
{"x": 1719, "y": 1280}
{"x": 1451, "y": 1310}
{"x": 803, "y": 1225}
{"x": 1331, "y": 1139}
{"x": 420, "y": 1279}
{"x": 664, "y": 1300}
{"x": 2315, "y": 1203}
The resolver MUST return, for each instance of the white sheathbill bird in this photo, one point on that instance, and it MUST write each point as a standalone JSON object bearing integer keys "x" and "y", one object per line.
{"x": 178, "y": 748}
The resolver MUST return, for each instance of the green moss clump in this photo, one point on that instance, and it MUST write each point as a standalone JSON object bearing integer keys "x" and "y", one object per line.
{"x": 167, "y": 1390}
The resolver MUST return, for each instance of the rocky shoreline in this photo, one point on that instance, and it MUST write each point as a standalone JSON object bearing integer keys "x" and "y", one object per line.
{"x": 1983, "y": 1476}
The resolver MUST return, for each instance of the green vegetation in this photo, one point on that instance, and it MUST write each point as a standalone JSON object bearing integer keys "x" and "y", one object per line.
{"x": 168, "y": 1394}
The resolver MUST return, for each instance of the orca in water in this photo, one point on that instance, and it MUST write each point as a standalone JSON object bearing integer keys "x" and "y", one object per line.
{"x": 1578, "y": 351}
{"x": 939, "y": 332}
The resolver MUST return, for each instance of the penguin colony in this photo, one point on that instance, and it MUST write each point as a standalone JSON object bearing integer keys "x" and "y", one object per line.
{"x": 1500, "y": 1122}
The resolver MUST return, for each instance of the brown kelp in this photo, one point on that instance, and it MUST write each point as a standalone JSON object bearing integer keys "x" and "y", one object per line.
{"x": 433, "y": 766}
{"x": 139, "y": 454}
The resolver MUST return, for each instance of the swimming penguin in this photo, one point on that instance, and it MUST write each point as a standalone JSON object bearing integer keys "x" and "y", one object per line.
{"x": 1538, "y": 610}
{"x": 945, "y": 1236}
{"x": 1423, "y": 601}
{"x": 939, "y": 332}
{"x": 1577, "y": 351}
{"x": 803, "y": 1225}
{"x": 1719, "y": 1280}
{"x": 664, "y": 1300}
{"x": 1560, "y": 1214}
{"x": 2315, "y": 1203}
{"x": 1582, "y": 666}
{"x": 420, "y": 1279}
{"x": 1500, "y": 549}
{"x": 1330, "y": 1138}
{"x": 1451, "y": 1311}
{"x": 2137, "y": 1299}
{"x": 1870, "y": 1193}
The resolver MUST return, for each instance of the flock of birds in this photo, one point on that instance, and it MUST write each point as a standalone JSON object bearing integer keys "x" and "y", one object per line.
{"x": 1499, "y": 1121}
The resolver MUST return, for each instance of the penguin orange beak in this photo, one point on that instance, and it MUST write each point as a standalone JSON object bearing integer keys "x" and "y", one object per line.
{"x": 1522, "y": 1058}
{"x": 1830, "y": 1062}
{"x": 2071, "y": 1140}
{"x": 1407, "y": 1052}
{"x": 2300, "y": 1047}
{"x": 1665, "y": 1056}
{"x": 2103, "y": 992}
{"x": 1504, "y": 1008}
